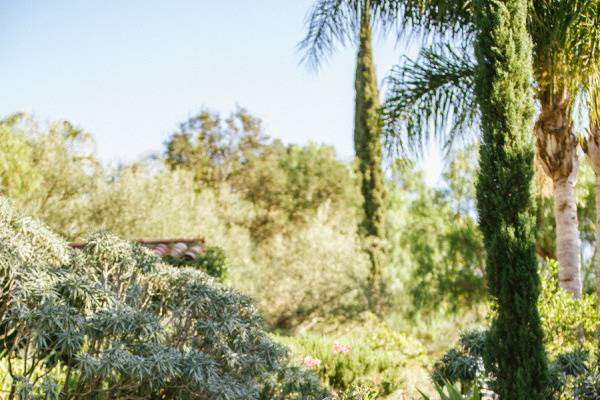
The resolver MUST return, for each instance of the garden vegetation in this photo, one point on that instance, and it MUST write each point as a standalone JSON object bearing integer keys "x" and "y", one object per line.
{"x": 323, "y": 278}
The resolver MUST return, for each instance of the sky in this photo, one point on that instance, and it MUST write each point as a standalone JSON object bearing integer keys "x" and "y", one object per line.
{"x": 129, "y": 71}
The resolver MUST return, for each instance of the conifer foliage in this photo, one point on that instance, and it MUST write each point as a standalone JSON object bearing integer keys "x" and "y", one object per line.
{"x": 113, "y": 321}
{"x": 343, "y": 21}
{"x": 514, "y": 350}
{"x": 367, "y": 143}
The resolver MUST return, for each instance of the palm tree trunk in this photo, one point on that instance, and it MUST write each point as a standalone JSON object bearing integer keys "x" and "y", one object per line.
{"x": 557, "y": 150}
{"x": 567, "y": 236}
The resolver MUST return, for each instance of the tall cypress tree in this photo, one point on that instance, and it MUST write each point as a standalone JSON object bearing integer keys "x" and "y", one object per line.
{"x": 367, "y": 145}
{"x": 514, "y": 349}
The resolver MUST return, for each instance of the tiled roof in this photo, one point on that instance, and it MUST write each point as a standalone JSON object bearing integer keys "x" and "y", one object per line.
{"x": 177, "y": 248}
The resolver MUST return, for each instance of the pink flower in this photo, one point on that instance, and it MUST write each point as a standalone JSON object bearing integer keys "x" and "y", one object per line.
{"x": 309, "y": 361}
{"x": 341, "y": 348}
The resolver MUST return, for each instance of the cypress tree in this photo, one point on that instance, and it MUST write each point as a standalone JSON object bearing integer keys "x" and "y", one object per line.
{"x": 367, "y": 145}
{"x": 514, "y": 350}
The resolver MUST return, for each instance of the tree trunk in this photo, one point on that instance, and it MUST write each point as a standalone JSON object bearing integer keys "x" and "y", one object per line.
{"x": 557, "y": 151}
{"x": 367, "y": 145}
{"x": 592, "y": 150}
{"x": 567, "y": 236}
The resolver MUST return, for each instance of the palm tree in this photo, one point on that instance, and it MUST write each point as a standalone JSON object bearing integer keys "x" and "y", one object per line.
{"x": 352, "y": 20}
{"x": 434, "y": 94}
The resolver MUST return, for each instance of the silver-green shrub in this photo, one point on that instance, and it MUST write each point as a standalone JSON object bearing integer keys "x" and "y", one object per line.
{"x": 113, "y": 321}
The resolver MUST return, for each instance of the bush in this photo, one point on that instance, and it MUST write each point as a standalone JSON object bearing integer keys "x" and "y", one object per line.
{"x": 463, "y": 364}
{"x": 212, "y": 261}
{"x": 569, "y": 336}
{"x": 314, "y": 273}
{"x": 436, "y": 244}
{"x": 284, "y": 215}
{"x": 567, "y": 322}
{"x": 447, "y": 391}
{"x": 114, "y": 321}
{"x": 576, "y": 375}
{"x": 370, "y": 362}
{"x": 358, "y": 393}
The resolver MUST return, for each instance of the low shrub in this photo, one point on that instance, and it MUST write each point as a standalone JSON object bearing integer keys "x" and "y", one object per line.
{"x": 114, "y": 321}
{"x": 569, "y": 337}
{"x": 447, "y": 391}
{"x": 462, "y": 365}
{"x": 372, "y": 363}
{"x": 317, "y": 272}
{"x": 358, "y": 393}
{"x": 567, "y": 322}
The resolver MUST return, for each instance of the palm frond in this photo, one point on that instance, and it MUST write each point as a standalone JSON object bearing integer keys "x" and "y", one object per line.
{"x": 328, "y": 22}
{"x": 590, "y": 94}
{"x": 331, "y": 22}
{"x": 430, "y": 97}
{"x": 566, "y": 39}
{"x": 437, "y": 17}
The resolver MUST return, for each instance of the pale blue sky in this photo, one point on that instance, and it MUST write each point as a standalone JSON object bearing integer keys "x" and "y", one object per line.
{"x": 129, "y": 70}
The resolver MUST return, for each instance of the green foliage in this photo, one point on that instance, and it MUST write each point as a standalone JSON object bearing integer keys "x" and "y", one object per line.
{"x": 560, "y": 313}
{"x": 359, "y": 393}
{"x": 575, "y": 376}
{"x": 114, "y": 321}
{"x": 504, "y": 198}
{"x": 267, "y": 216}
{"x": 213, "y": 148}
{"x": 362, "y": 365}
{"x": 313, "y": 273}
{"x": 212, "y": 261}
{"x": 369, "y": 358}
{"x": 18, "y": 176}
{"x": 286, "y": 184}
{"x": 568, "y": 348}
{"x": 447, "y": 391}
{"x": 434, "y": 237}
{"x": 433, "y": 93}
{"x": 463, "y": 364}
{"x": 57, "y": 168}
{"x": 367, "y": 146}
